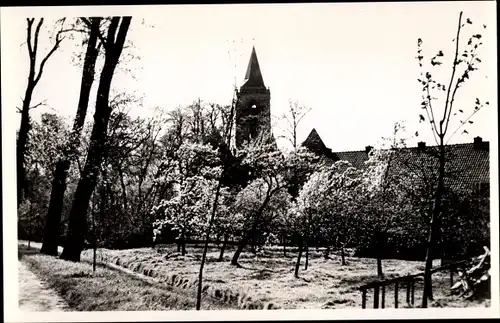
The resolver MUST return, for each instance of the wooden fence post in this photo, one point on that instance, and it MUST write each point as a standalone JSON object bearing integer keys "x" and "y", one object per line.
{"x": 408, "y": 287}
{"x": 412, "y": 292}
{"x": 375, "y": 296}
{"x": 383, "y": 296}
{"x": 363, "y": 299}
{"x": 396, "y": 287}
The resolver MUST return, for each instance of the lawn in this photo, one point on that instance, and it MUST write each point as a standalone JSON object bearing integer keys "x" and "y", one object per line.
{"x": 269, "y": 278}
{"x": 107, "y": 289}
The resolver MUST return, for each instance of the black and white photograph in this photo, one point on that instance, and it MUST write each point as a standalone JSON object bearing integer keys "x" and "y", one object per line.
{"x": 248, "y": 161}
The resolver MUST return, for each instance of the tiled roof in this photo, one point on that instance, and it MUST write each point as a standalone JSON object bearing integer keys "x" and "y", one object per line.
{"x": 467, "y": 164}
{"x": 356, "y": 158}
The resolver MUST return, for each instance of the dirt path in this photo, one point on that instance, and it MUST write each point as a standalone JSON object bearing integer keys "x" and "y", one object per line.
{"x": 34, "y": 295}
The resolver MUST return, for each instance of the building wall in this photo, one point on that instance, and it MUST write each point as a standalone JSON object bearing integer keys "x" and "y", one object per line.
{"x": 250, "y": 122}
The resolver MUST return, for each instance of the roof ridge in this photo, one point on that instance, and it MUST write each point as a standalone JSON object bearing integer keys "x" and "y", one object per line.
{"x": 415, "y": 147}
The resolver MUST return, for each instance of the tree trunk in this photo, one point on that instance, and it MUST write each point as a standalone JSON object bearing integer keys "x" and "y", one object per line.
{"x": 179, "y": 245}
{"x": 207, "y": 237}
{"x": 183, "y": 244}
{"x": 33, "y": 79}
{"x": 327, "y": 252}
{"x": 436, "y": 210}
{"x": 308, "y": 236}
{"x": 221, "y": 255}
{"x": 380, "y": 272}
{"x": 239, "y": 250}
{"x": 124, "y": 189}
{"x": 53, "y": 220}
{"x": 297, "y": 264}
{"x": 380, "y": 243}
{"x": 307, "y": 257}
{"x": 94, "y": 260}
{"x": 22, "y": 138}
{"x": 77, "y": 219}
{"x": 30, "y": 219}
{"x": 102, "y": 211}
{"x": 342, "y": 254}
{"x": 252, "y": 248}
{"x": 251, "y": 234}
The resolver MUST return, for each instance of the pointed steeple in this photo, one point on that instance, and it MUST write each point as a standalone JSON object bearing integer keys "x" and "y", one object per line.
{"x": 253, "y": 77}
{"x": 313, "y": 141}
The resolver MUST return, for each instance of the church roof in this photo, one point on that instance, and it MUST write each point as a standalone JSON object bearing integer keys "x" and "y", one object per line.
{"x": 253, "y": 76}
{"x": 313, "y": 141}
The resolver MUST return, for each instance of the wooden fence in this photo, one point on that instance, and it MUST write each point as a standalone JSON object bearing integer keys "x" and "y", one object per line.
{"x": 407, "y": 282}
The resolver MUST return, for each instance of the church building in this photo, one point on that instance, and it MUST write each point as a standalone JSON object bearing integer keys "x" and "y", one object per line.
{"x": 253, "y": 106}
{"x": 253, "y": 119}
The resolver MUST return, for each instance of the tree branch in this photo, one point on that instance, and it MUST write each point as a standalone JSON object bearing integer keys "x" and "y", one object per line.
{"x": 110, "y": 39}
{"x": 37, "y": 32}
{"x": 39, "y": 104}
{"x": 59, "y": 39}
{"x": 28, "y": 36}
{"x": 429, "y": 99}
{"x": 462, "y": 124}
{"x": 455, "y": 63}
{"x": 102, "y": 39}
{"x": 460, "y": 80}
{"x": 433, "y": 124}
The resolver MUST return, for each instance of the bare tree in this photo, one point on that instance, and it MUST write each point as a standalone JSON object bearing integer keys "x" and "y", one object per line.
{"x": 53, "y": 221}
{"x": 296, "y": 112}
{"x": 466, "y": 62}
{"x": 32, "y": 39}
{"x": 113, "y": 46}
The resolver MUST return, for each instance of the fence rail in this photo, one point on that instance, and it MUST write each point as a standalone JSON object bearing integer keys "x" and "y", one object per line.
{"x": 408, "y": 282}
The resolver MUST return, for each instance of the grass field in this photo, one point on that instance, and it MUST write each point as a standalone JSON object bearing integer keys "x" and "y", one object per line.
{"x": 270, "y": 278}
{"x": 106, "y": 289}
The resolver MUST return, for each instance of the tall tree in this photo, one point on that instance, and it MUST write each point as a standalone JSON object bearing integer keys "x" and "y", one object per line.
{"x": 53, "y": 220}
{"x": 463, "y": 65}
{"x": 272, "y": 171}
{"x": 293, "y": 116}
{"x": 32, "y": 39}
{"x": 329, "y": 201}
{"x": 113, "y": 45}
{"x": 225, "y": 150}
{"x": 382, "y": 203}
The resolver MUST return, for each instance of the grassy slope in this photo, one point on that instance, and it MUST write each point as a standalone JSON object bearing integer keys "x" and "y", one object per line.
{"x": 106, "y": 290}
{"x": 326, "y": 284}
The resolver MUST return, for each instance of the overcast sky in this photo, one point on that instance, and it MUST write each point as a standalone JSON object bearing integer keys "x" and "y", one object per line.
{"x": 353, "y": 64}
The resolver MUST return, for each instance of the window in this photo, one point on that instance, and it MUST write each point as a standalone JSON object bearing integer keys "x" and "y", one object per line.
{"x": 253, "y": 106}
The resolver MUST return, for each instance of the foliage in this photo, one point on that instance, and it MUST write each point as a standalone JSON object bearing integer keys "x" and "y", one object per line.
{"x": 328, "y": 204}
{"x": 463, "y": 65}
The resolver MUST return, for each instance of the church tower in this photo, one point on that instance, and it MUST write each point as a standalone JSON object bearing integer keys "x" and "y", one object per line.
{"x": 253, "y": 106}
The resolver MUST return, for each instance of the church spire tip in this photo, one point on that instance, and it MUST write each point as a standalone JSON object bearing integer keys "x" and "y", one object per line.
{"x": 253, "y": 76}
